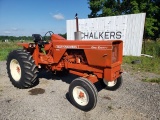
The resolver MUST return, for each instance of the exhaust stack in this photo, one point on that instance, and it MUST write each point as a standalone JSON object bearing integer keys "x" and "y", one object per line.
{"x": 77, "y": 34}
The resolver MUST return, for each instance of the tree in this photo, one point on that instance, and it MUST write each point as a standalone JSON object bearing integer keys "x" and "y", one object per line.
{"x": 95, "y": 6}
{"x": 101, "y": 8}
{"x": 157, "y": 17}
{"x": 111, "y": 8}
{"x": 151, "y": 9}
{"x": 63, "y": 35}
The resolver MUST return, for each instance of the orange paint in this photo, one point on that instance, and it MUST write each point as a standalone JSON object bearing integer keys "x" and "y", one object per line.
{"x": 81, "y": 95}
{"x": 96, "y": 59}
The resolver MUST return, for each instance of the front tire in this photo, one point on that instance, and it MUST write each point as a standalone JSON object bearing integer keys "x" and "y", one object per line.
{"x": 83, "y": 94}
{"x": 21, "y": 69}
{"x": 113, "y": 85}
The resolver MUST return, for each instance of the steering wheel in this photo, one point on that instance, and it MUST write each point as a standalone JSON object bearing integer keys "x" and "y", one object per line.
{"x": 45, "y": 36}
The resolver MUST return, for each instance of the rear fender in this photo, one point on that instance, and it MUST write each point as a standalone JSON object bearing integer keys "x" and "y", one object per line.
{"x": 33, "y": 49}
{"x": 24, "y": 45}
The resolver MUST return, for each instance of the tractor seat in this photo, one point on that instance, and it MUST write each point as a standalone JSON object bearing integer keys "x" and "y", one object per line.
{"x": 37, "y": 38}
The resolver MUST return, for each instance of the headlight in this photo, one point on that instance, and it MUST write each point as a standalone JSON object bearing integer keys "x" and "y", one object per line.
{"x": 32, "y": 45}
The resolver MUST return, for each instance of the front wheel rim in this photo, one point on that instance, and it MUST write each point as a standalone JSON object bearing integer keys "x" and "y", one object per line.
{"x": 15, "y": 69}
{"x": 110, "y": 83}
{"x": 80, "y": 95}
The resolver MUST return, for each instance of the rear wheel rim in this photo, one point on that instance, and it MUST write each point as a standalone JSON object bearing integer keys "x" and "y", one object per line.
{"x": 15, "y": 69}
{"x": 80, "y": 95}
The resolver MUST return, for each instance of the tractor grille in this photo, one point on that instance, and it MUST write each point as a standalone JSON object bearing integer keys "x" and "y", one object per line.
{"x": 115, "y": 53}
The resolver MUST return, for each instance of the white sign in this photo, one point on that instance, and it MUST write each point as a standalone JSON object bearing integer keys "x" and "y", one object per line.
{"x": 128, "y": 28}
{"x": 101, "y": 35}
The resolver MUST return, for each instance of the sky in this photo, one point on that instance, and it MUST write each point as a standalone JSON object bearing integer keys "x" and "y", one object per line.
{"x": 26, "y": 17}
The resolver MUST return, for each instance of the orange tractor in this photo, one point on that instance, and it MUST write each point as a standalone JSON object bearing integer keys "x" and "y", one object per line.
{"x": 92, "y": 61}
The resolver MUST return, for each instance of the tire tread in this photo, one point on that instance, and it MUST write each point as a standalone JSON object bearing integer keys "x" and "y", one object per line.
{"x": 29, "y": 69}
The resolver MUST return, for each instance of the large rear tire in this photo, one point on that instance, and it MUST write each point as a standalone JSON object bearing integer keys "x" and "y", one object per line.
{"x": 83, "y": 94}
{"x": 21, "y": 69}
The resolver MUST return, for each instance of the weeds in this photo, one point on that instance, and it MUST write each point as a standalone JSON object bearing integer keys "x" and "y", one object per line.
{"x": 147, "y": 64}
{"x": 152, "y": 48}
{"x": 154, "y": 80}
{"x": 110, "y": 107}
{"x": 6, "y": 48}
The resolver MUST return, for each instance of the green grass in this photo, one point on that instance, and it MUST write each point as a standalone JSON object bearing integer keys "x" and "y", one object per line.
{"x": 154, "y": 80}
{"x": 152, "y": 48}
{"x": 5, "y": 48}
{"x": 147, "y": 64}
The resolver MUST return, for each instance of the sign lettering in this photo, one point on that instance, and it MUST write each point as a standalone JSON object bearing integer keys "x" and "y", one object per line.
{"x": 101, "y": 35}
{"x": 66, "y": 46}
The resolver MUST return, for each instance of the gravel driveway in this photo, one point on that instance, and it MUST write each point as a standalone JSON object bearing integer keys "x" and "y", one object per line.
{"x": 135, "y": 100}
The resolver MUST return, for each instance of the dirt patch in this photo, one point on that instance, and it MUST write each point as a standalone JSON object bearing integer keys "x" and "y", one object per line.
{"x": 36, "y": 91}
